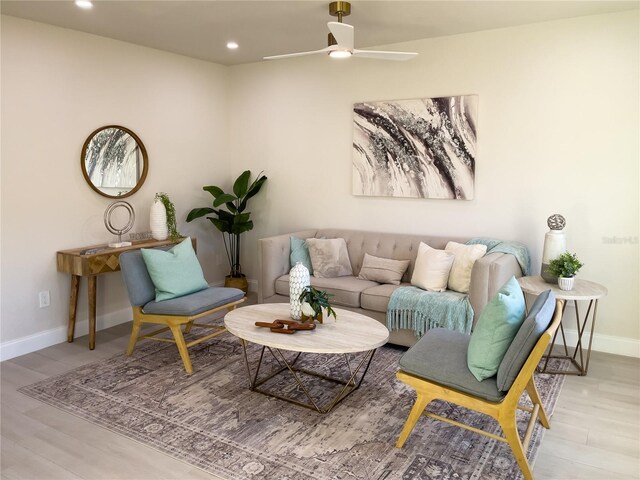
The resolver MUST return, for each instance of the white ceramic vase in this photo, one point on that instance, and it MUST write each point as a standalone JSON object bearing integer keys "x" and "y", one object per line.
{"x": 158, "y": 221}
{"x": 555, "y": 244}
{"x": 566, "y": 283}
{"x": 299, "y": 278}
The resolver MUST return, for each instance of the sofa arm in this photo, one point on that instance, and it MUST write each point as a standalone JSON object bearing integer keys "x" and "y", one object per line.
{"x": 489, "y": 274}
{"x": 273, "y": 259}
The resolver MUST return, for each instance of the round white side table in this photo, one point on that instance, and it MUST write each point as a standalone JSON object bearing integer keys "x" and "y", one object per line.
{"x": 583, "y": 290}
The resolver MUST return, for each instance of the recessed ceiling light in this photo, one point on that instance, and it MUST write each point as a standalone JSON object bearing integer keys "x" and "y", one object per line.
{"x": 232, "y": 45}
{"x": 84, "y": 4}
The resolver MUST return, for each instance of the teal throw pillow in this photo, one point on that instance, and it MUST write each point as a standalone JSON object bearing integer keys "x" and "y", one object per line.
{"x": 497, "y": 326}
{"x": 174, "y": 272}
{"x": 300, "y": 253}
{"x": 537, "y": 321}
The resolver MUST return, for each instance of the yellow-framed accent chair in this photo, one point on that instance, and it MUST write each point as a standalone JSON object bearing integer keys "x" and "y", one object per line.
{"x": 436, "y": 367}
{"x": 174, "y": 313}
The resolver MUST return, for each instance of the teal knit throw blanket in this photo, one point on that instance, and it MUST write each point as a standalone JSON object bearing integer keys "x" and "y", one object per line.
{"x": 419, "y": 310}
{"x": 517, "y": 249}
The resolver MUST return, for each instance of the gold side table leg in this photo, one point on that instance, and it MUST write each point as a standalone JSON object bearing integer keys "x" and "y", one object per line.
{"x": 581, "y": 367}
{"x": 553, "y": 341}
{"x": 593, "y": 327}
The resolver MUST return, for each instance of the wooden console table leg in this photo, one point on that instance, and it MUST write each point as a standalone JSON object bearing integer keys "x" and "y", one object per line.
{"x": 92, "y": 311}
{"x": 73, "y": 307}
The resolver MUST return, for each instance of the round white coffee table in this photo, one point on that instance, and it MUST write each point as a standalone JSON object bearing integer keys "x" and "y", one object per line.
{"x": 582, "y": 290}
{"x": 351, "y": 333}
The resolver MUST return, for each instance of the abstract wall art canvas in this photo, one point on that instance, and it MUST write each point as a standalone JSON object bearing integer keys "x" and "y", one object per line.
{"x": 423, "y": 148}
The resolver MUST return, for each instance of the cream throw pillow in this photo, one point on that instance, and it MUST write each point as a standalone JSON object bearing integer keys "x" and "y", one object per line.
{"x": 465, "y": 257}
{"x": 382, "y": 270}
{"x": 432, "y": 268}
{"x": 329, "y": 257}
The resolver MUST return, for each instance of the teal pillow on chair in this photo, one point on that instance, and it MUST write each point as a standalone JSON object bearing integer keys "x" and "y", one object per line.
{"x": 497, "y": 326}
{"x": 174, "y": 272}
{"x": 300, "y": 253}
{"x": 537, "y": 321}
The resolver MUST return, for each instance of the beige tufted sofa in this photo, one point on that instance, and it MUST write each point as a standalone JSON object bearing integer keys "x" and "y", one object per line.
{"x": 367, "y": 297}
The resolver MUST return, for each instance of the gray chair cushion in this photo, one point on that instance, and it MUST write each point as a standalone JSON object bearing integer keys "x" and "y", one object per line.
{"x": 136, "y": 278}
{"x": 532, "y": 328}
{"x": 440, "y": 356}
{"x": 194, "y": 303}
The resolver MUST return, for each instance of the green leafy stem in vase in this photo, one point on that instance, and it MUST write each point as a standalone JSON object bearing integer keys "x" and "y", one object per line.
{"x": 171, "y": 215}
{"x": 317, "y": 300}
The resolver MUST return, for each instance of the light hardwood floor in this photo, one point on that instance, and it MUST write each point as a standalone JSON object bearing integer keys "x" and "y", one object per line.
{"x": 595, "y": 430}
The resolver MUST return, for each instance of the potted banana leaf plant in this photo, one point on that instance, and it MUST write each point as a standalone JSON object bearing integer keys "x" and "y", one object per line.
{"x": 232, "y": 221}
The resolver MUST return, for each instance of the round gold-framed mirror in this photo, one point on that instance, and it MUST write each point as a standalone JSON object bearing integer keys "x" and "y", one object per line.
{"x": 114, "y": 161}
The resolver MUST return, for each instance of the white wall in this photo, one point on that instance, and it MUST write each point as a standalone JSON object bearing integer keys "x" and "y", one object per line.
{"x": 558, "y": 133}
{"x": 57, "y": 87}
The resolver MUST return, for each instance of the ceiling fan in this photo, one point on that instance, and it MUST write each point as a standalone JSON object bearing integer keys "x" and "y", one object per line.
{"x": 341, "y": 40}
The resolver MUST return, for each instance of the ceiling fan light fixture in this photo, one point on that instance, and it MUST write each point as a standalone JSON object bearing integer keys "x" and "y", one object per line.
{"x": 86, "y": 4}
{"x": 339, "y": 53}
{"x": 340, "y": 40}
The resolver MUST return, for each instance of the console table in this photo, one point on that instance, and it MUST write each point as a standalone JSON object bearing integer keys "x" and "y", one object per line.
{"x": 90, "y": 262}
{"x": 583, "y": 290}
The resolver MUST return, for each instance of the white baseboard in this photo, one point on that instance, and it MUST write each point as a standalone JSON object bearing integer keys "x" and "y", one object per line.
{"x": 37, "y": 341}
{"x": 628, "y": 347}
{"x": 40, "y": 340}
{"x": 625, "y": 346}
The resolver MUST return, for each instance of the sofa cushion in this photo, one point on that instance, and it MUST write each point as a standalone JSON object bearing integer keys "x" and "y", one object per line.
{"x": 440, "y": 356}
{"x": 377, "y": 298}
{"x": 329, "y": 257}
{"x": 432, "y": 268}
{"x": 382, "y": 270}
{"x": 345, "y": 290}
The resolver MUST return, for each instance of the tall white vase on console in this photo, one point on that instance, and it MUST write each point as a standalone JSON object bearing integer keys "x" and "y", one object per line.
{"x": 299, "y": 278}
{"x": 158, "y": 221}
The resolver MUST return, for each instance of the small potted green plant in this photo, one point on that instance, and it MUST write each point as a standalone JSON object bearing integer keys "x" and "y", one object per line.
{"x": 313, "y": 301}
{"x": 565, "y": 268}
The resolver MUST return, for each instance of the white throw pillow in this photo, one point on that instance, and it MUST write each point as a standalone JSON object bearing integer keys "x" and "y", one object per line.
{"x": 431, "y": 271}
{"x": 465, "y": 257}
{"x": 329, "y": 257}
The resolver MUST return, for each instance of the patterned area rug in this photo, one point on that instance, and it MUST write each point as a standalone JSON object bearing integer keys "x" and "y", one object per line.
{"x": 213, "y": 421}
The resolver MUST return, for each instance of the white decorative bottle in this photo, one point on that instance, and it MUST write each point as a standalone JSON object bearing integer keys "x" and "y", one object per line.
{"x": 299, "y": 278}
{"x": 158, "y": 221}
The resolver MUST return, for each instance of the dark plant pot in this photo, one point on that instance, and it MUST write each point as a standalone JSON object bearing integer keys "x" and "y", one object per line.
{"x": 304, "y": 318}
{"x": 546, "y": 275}
{"x": 237, "y": 282}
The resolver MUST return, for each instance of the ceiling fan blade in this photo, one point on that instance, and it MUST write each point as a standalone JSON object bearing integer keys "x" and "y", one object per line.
{"x": 343, "y": 33}
{"x": 384, "y": 55}
{"x": 300, "y": 54}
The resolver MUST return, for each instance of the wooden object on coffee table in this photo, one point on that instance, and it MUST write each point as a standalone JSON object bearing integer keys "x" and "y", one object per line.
{"x": 286, "y": 326}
